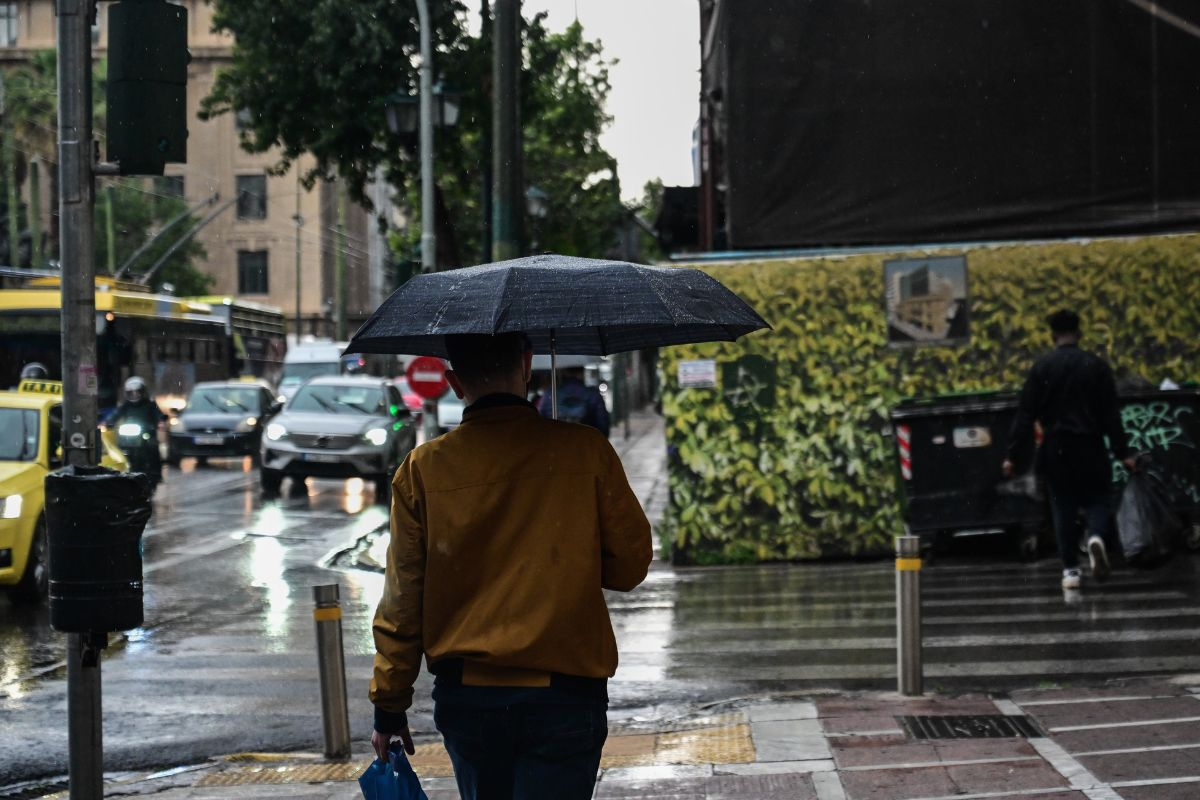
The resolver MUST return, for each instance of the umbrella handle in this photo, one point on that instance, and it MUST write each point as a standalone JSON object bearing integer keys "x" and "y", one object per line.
{"x": 553, "y": 378}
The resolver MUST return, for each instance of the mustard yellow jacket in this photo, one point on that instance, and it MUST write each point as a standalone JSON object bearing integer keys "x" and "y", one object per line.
{"x": 503, "y": 534}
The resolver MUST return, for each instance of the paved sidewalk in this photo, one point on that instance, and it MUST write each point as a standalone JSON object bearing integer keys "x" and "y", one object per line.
{"x": 1127, "y": 740}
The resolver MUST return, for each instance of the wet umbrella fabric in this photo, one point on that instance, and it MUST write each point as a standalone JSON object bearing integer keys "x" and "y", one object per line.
{"x": 564, "y": 304}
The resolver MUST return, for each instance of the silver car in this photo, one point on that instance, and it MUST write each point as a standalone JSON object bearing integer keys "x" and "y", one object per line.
{"x": 338, "y": 427}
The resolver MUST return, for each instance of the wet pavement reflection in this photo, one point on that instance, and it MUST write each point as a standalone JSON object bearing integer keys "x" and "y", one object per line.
{"x": 226, "y": 660}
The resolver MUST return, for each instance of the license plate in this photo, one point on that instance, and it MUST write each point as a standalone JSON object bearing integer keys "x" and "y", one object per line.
{"x": 323, "y": 458}
{"x": 210, "y": 440}
{"x": 972, "y": 437}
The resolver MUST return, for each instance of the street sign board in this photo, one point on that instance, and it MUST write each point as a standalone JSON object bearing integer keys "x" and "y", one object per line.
{"x": 427, "y": 377}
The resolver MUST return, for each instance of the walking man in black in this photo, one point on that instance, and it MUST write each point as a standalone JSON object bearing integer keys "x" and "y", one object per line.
{"x": 1072, "y": 394}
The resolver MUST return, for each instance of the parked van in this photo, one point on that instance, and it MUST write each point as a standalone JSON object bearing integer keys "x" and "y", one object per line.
{"x": 309, "y": 359}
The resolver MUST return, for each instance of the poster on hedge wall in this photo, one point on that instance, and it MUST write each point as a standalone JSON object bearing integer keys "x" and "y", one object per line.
{"x": 926, "y": 300}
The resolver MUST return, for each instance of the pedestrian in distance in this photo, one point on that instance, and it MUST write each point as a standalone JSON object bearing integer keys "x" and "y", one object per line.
{"x": 1072, "y": 394}
{"x": 578, "y": 402}
{"x": 504, "y": 534}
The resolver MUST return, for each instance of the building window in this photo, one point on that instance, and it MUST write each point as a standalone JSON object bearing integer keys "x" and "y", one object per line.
{"x": 252, "y": 196}
{"x": 169, "y": 185}
{"x": 252, "y": 272}
{"x": 8, "y": 24}
{"x": 242, "y": 119}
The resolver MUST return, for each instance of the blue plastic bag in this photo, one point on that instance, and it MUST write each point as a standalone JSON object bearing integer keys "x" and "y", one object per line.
{"x": 394, "y": 780}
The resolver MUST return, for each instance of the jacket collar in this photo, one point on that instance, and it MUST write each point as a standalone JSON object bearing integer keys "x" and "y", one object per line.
{"x": 496, "y": 401}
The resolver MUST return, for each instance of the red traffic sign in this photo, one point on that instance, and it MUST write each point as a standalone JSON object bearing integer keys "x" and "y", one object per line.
{"x": 427, "y": 377}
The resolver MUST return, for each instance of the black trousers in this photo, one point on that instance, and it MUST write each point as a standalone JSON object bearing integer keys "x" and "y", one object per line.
{"x": 524, "y": 751}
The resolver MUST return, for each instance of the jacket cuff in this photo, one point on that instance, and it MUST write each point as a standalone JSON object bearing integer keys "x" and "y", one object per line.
{"x": 390, "y": 722}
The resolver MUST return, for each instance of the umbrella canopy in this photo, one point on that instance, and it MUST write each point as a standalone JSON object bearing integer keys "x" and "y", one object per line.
{"x": 572, "y": 305}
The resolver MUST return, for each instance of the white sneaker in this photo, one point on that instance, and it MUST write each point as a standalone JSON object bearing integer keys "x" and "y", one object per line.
{"x": 1098, "y": 558}
{"x": 1071, "y": 578}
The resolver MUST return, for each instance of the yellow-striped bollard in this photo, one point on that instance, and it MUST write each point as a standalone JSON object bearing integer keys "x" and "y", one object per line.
{"x": 331, "y": 662}
{"x": 908, "y": 614}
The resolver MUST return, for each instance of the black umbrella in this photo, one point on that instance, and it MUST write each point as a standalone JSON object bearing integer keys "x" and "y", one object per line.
{"x": 572, "y": 305}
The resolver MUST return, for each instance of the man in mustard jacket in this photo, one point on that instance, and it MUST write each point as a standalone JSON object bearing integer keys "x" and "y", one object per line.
{"x": 504, "y": 534}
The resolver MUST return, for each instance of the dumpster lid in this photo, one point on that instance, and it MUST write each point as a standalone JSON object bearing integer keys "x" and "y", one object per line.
{"x": 955, "y": 402}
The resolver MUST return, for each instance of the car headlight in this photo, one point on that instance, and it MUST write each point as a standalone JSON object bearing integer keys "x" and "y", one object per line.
{"x": 247, "y": 424}
{"x": 10, "y": 508}
{"x": 275, "y": 431}
{"x": 129, "y": 429}
{"x": 376, "y": 436}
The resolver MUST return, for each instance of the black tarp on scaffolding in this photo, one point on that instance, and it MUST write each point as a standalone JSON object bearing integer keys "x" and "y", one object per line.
{"x": 844, "y": 122}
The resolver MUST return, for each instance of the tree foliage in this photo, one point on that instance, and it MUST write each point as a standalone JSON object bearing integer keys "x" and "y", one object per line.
{"x": 139, "y": 212}
{"x": 315, "y": 78}
{"x": 140, "y": 208}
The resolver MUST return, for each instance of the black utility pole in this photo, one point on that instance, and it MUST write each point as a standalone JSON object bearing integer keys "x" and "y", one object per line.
{"x": 485, "y": 145}
{"x": 507, "y": 194}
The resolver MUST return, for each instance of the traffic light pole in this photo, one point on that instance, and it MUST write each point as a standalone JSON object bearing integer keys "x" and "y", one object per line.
{"x": 77, "y": 248}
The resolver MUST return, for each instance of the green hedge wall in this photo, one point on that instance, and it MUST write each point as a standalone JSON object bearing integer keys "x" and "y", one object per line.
{"x": 804, "y": 471}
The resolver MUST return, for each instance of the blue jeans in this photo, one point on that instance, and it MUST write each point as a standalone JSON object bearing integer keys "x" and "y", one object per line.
{"x": 524, "y": 751}
{"x": 1065, "y": 505}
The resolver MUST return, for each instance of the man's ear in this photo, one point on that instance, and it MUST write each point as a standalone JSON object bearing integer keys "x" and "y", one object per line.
{"x": 455, "y": 384}
{"x": 527, "y": 366}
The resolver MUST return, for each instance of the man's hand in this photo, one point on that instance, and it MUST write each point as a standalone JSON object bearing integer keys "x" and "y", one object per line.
{"x": 381, "y": 741}
{"x": 1007, "y": 468}
{"x": 1130, "y": 463}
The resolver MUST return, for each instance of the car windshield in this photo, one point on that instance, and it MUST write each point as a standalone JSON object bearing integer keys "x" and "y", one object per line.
{"x": 18, "y": 434}
{"x": 224, "y": 400}
{"x": 299, "y": 373}
{"x": 340, "y": 399}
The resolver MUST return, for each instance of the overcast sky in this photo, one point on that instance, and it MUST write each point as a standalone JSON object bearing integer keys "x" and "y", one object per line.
{"x": 655, "y": 87}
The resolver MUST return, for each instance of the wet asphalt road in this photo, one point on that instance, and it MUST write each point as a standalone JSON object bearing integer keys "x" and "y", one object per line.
{"x": 226, "y": 662}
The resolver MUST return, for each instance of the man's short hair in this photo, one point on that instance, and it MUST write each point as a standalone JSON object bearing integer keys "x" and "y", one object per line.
{"x": 478, "y": 358}
{"x": 1064, "y": 321}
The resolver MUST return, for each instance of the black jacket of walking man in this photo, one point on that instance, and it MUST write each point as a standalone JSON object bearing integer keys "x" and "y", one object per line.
{"x": 505, "y": 534}
{"x": 1072, "y": 394}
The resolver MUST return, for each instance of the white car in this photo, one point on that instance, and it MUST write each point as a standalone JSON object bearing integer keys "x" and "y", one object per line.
{"x": 449, "y": 411}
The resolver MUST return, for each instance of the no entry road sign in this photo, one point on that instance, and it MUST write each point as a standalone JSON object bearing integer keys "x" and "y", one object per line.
{"x": 427, "y": 377}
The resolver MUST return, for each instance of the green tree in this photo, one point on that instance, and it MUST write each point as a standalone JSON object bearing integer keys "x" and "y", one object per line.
{"x": 331, "y": 104}
{"x": 31, "y": 95}
{"x": 139, "y": 212}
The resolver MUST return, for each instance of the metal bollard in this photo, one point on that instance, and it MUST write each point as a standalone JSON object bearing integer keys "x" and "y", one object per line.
{"x": 908, "y": 615}
{"x": 335, "y": 714}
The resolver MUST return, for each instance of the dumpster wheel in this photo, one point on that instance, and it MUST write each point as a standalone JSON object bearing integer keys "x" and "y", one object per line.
{"x": 1191, "y": 539}
{"x": 1027, "y": 545}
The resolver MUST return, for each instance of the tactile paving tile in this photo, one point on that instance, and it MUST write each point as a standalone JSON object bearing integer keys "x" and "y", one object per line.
{"x": 723, "y": 744}
{"x": 729, "y": 744}
{"x": 287, "y": 773}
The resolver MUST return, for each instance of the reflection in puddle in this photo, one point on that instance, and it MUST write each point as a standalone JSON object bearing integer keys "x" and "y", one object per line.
{"x": 266, "y": 572}
{"x": 352, "y": 499}
{"x": 271, "y": 522}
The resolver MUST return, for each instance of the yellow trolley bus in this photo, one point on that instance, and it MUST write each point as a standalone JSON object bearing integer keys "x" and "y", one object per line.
{"x": 170, "y": 342}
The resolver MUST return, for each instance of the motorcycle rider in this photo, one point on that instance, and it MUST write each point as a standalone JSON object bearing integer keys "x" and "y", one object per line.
{"x": 138, "y": 407}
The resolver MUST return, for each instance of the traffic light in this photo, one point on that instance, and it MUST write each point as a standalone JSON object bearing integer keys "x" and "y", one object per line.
{"x": 147, "y": 85}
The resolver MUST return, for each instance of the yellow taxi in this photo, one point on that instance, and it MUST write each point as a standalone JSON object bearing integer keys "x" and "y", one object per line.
{"x": 30, "y": 446}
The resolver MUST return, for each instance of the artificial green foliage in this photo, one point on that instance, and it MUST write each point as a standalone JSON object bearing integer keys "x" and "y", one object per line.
{"x": 814, "y": 475}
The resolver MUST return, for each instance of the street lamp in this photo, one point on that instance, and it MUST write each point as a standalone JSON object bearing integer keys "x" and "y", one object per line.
{"x": 403, "y": 111}
{"x": 405, "y": 114}
{"x": 537, "y": 204}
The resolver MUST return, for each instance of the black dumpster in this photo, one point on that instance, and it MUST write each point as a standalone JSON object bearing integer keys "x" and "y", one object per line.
{"x": 949, "y": 450}
{"x": 94, "y": 518}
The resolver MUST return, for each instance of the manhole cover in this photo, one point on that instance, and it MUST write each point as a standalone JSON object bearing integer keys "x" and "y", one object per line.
{"x": 978, "y": 726}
